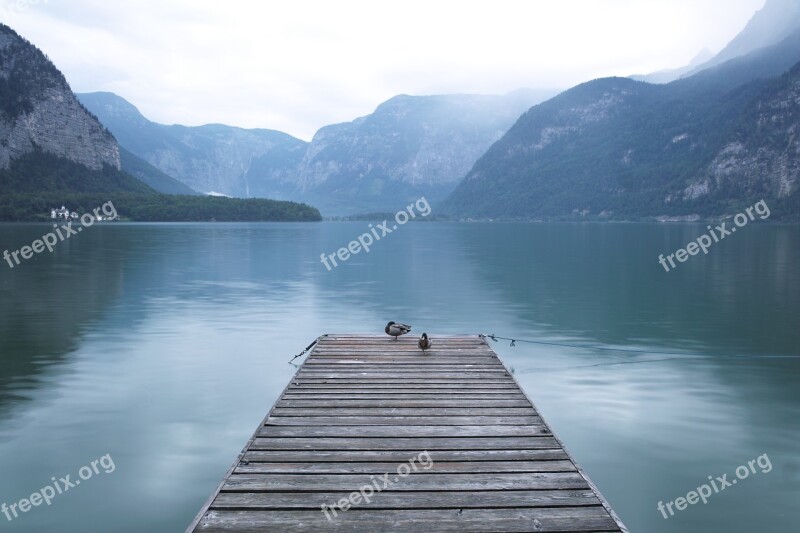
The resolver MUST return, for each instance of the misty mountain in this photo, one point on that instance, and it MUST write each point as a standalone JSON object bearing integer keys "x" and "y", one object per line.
{"x": 617, "y": 148}
{"x": 211, "y": 158}
{"x": 773, "y": 23}
{"x": 669, "y": 75}
{"x": 776, "y": 21}
{"x": 409, "y": 147}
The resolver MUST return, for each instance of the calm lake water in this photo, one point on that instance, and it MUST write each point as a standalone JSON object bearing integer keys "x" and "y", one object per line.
{"x": 163, "y": 345}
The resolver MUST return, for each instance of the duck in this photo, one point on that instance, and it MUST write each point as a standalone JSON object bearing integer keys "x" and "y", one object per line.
{"x": 424, "y": 342}
{"x": 395, "y": 330}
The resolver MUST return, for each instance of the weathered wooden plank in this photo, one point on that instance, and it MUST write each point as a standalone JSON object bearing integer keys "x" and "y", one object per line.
{"x": 401, "y": 360}
{"x": 562, "y": 519}
{"x": 403, "y": 349}
{"x": 430, "y": 400}
{"x": 431, "y": 467}
{"x": 406, "y": 343}
{"x": 399, "y": 456}
{"x": 363, "y": 368}
{"x": 354, "y": 361}
{"x": 416, "y": 444}
{"x": 324, "y": 410}
{"x": 415, "y": 392}
{"x": 403, "y": 431}
{"x": 409, "y": 500}
{"x": 407, "y": 351}
{"x": 493, "y": 384}
{"x": 419, "y": 419}
{"x": 389, "y": 375}
{"x": 415, "y": 481}
{"x": 405, "y": 401}
{"x": 400, "y": 387}
{"x": 344, "y": 368}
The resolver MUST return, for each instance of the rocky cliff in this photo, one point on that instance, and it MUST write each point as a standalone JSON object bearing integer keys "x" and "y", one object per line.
{"x": 39, "y": 111}
{"x": 209, "y": 159}
{"x": 707, "y": 145}
{"x": 409, "y": 147}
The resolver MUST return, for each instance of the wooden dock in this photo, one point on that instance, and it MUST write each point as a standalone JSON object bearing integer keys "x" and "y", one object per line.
{"x": 361, "y": 407}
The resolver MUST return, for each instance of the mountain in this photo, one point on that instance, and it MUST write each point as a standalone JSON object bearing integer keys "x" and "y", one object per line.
{"x": 151, "y": 176}
{"x": 209, "y": 159}
{"x": 38, "y": 111}
{"x": 409, "y": 147}
{"x": 48, "y": 140}
{"x": 773, "y": 23}
{"x": 669, "y": 75}
{"x": 617, "y": 148}
{"x": 776, "y": 21}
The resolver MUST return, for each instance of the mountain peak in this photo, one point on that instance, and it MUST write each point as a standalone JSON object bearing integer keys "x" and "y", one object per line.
{"x": 112, "y": 105}
{"x": 771, "y": 24}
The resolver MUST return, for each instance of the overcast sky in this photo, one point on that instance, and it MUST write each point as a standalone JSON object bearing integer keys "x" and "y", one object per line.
{"x": 297, "y": 65}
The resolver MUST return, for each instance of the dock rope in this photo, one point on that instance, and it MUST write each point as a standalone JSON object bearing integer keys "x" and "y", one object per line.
{"x": 306, "y": 349}
{"x": 685, "y": 355}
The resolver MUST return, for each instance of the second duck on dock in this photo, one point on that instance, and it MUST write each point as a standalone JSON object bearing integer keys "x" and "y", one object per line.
{"x": 424, "y": 342}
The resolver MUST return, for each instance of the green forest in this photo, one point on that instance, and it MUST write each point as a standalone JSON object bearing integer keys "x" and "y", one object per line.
{"x": 39, "y": 182}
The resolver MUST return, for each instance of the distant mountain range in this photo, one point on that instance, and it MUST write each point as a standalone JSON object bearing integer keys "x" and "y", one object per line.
{"x": 615, "y": 148}
{"x": 209, "y": 159}
{"x": 54, "y": 151}
{"x": 409, "y": 147}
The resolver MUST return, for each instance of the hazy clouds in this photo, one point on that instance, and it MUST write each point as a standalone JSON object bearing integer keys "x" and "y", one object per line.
{"x": 295, "y": 66}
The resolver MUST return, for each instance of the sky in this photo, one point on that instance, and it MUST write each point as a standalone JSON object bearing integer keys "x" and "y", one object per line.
{"x": 297, "y": 65}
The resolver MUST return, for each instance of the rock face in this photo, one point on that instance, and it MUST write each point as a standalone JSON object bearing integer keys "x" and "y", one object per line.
{"x": 409, "y": 147}
{"x": 209, "y": 159}
{"x": 617, "y": 148}
{"x": 40, "y": 111}
{"x": 763, "y": 157}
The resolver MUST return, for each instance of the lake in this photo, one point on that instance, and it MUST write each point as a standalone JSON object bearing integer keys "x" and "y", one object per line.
{"x": 160, "y": 347}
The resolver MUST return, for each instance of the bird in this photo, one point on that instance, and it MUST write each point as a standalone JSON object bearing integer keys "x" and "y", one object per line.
{"x": 395, "y": 330}
{"x": 424, "y": 342}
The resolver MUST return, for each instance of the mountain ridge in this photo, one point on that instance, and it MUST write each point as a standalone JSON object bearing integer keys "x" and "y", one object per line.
{"x": 616, "y": 148}
{"x": 771, "y": 24}
{"x": 408, "y": 147}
